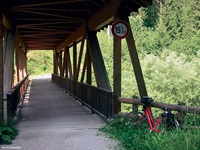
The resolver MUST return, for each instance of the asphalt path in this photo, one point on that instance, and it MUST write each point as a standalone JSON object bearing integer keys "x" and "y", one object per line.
{"x": 51, "y": 119}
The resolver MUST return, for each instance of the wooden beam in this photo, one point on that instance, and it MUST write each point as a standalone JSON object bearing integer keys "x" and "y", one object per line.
{"x": 136, "y": 63}
{"x": 48, "y": 3}
{"x": 8, "y": 61}
{"x": 63, "y": 65}
{"x": 8, "y": 26}
{"x": 74, "y": 37}
{"x": 97, "y": 61}
{"x": 1, "y": 62}
{"x": 74, "y": 60}
{"x": 104, "y": 16}
{"x": 18, "y": 37}
{"x": 69, "y": 64}
{"x": 80, "y": 58}
{"x": 187, "y": 109}
{"x": 20, "y": 51}
{"x": 84, "y": 68}
{"x": 117, "y": 74}
{"x": 60, "y": 62}
{"x": 17, "y": 60}
{"x": 49, "y": 23}
{"x": 46, "y": 14}
{"x": 88, "y": 66}
{"x": 55, "y": 63}
{"x": 6, "y": 23}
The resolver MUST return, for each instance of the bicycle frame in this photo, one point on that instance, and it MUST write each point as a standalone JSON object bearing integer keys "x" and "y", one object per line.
{"x": 152, "y": 124}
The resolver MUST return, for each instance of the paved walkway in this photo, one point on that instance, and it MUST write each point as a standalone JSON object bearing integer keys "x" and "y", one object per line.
{"x": 50, "y": 119}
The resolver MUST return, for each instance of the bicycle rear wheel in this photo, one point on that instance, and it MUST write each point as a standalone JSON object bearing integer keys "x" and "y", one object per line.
{"x": 135, "y": 119}
{"x": 167, "y": 124}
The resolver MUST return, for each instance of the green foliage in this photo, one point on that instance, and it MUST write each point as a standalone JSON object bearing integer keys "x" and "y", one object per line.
{"x": 139, "y": 139}
{"x": 7, "y": 132}
{"x": 181, "y": 20}
{"x": 172, "y": 78}
{"x": 167, "y": 40}
{"x": 40, "y": 62}
{"x": 171, "y": 24}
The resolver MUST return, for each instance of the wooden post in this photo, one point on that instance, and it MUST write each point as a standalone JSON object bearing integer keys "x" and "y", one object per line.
{"x": 60, "y": 62}
{"x": 17, "y": 60}
{"x": 1, "y": 62}
{"x": 84, "y": 67}
{"x": 8, "y": 65}
{"x": 55, "y": 63}
{"x": 89, "y": 69}
{"x": 20, "y": 63}
{"x": 117, "y": 74}
{"x": 62, "y": 73}
{"x": 69, "y": 65}
{"x": 80, "y": 58}
{"x": 74, "y": 60}
{"x": 66, "y": 64}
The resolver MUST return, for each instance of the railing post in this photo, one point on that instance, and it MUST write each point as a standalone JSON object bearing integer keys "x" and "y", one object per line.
{"x": 9, "y": 106}
{"x": 14, "y": 96}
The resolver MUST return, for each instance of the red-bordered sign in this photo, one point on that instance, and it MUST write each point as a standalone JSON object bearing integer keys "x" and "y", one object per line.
{"x": 120, "y": 29}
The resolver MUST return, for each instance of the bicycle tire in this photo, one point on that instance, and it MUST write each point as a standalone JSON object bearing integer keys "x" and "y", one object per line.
{"x": 132, "y": 119}
{"x": 163, "y": 126}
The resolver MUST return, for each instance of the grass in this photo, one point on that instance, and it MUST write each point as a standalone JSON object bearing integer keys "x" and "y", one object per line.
{"x": 140, "y": 139}
{"x": 7, "y": 132}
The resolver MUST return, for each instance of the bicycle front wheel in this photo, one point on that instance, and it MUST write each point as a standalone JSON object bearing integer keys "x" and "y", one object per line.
{"x": 137, "y": 120}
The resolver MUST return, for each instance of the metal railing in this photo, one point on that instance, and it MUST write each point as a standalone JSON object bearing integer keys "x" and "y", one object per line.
{"x": 98, "y": 100}
{"x": 14, "y": 96}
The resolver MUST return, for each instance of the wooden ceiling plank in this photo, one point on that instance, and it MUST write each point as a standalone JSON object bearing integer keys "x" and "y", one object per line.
{"x": 50, "y": 23}
{"x": 44, "y": 32}
{"x": 49, "y": 3}
{"x": 55, "y": 9}
{"x": 46, "y": 14}
{"x": 42, "y": 29}
{"x": 42, "y": 19}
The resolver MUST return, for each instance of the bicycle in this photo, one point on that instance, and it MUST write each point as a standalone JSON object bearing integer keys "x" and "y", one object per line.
{"x": 141, "y": 119}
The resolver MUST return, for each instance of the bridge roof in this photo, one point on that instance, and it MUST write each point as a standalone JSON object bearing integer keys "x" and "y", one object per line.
{"x": 47, "y": 24}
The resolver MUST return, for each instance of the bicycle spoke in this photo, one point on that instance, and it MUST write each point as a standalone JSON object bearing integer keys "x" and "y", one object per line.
{"x": 134, "y": 120}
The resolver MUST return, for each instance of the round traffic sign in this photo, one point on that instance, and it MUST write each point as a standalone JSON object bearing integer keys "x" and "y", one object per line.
{"x": 120, "y": 29}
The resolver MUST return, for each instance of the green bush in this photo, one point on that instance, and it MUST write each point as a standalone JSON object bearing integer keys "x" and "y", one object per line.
{"x": 40, "y": 62}
{"x": 171, "y": 78}
{"x": 7, "y": 132}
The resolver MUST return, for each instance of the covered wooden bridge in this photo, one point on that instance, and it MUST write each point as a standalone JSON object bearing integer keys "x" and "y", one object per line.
{"x": 60, "y": 25}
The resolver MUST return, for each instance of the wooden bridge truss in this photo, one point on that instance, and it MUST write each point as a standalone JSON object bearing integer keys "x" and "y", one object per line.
{"x": 60, "y": 26}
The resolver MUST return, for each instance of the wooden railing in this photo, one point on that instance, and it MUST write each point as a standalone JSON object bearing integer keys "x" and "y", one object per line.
{"x": 98, "y": 100}
{"x": 14, "y": 96}
{"x": 186, "y": 109}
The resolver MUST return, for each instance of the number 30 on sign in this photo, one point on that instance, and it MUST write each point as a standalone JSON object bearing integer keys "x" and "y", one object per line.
{"x": 120, "y": 29}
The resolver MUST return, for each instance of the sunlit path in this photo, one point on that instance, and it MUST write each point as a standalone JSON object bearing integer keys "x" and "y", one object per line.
{"x": 50, "y": 119}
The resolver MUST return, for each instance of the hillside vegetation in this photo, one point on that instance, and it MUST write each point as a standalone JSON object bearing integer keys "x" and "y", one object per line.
{"x": 40, "y": 62}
